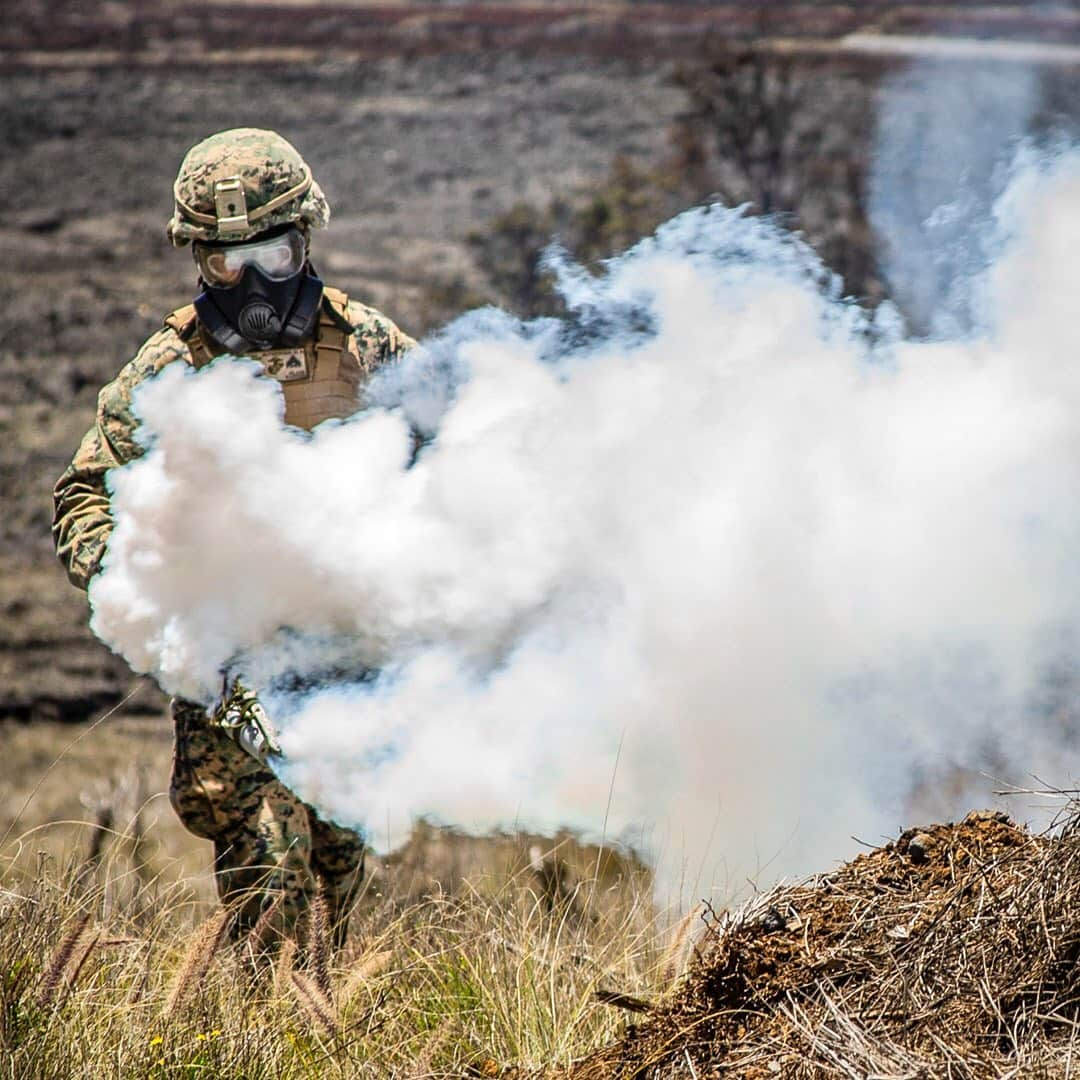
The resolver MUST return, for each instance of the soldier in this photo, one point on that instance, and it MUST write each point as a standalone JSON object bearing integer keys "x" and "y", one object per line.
{"x": 246, "y": 202}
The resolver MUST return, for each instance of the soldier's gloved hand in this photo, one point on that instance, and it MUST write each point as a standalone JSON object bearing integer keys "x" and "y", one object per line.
{"x": 241, "y": 716}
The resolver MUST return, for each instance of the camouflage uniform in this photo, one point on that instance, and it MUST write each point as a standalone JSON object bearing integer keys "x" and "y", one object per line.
{"x": 266, "y": 841}
{"x": 83, "y": 521}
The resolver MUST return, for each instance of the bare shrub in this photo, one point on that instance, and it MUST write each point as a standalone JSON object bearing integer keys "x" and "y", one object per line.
{"x": 783, "y": 134}
{"x": 788, "y": 136}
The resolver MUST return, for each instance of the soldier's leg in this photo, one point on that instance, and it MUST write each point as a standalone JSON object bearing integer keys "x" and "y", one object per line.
{"x": 263, "y": 857}
{"x": 337, "y": 856}
{"x": 261, "y": 831}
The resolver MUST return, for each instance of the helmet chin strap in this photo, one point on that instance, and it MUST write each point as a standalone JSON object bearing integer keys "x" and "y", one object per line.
{"x": 295, "y": 327}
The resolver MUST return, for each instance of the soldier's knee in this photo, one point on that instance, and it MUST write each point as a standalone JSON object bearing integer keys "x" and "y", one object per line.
{"x": 195, "y": 813}
{"x": 337, "y": 852}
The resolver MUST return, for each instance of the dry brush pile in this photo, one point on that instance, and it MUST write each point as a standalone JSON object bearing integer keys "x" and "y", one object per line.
{"x": 953, "y": 951}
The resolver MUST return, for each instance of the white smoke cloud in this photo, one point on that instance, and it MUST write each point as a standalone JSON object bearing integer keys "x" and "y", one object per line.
{"x": 945, "y": 137}
{"x": 701, "y": 567}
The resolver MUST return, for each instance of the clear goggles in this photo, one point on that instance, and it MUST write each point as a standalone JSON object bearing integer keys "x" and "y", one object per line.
{"x": 278, "y": 257}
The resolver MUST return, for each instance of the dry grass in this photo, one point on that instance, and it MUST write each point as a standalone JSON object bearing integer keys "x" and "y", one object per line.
{"x": 105, "y": 971}
{"x": 953, "y": 951}
{"x": 317, "y": 1004}
{"x": 205, "y": 946}
{"x": 318, "y": 944}
{"x": 57, "y": 971}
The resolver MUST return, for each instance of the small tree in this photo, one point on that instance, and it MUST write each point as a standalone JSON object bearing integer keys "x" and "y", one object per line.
{"x": 784, "y": 134}
{"x": 788, "y": 136}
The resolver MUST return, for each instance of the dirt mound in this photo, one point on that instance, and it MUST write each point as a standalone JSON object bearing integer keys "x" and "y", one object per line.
{"x": 951, "y": 951}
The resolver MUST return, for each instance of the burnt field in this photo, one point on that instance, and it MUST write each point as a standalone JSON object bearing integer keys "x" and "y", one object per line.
{"x": 425, "y": 124}
{"x": 414, "y": 155}
{"x": 52, "y": 33}
{"x": 412, "y": 29}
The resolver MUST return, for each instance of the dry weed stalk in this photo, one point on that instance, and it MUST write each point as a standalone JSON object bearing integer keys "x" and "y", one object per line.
{"x": 318, "y": 941}
{"x": 266, "y": 931}
{"x": 104, "y": 819}
{"x": 283, "y": 968}
{"x": 78, "y": 961}
{"x": 370, "y": 967}
{"x": 59, "y": 962}
{"x": 673, "y": 962}
{"x": 318, "y": 1007}
{"x": 198, "y": 958}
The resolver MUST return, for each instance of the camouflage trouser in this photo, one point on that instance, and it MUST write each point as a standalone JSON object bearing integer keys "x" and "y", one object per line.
{"x": 266, "y": 841}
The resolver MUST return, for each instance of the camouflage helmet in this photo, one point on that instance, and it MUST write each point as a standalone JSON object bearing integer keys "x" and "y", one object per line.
{"x": 239, "y": 183}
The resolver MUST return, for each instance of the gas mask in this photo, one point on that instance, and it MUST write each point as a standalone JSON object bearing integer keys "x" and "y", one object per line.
{"x": 257, "y": 295}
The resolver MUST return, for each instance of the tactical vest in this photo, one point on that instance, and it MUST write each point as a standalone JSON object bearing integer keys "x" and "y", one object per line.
{"x": 320, "y": 379}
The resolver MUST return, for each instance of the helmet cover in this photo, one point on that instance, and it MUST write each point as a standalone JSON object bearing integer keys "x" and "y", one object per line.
{"x": 239, "y": 183}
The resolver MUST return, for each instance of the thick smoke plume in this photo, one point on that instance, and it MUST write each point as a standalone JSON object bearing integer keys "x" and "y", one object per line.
{"x": 715, "y": 565}
{"x": 944, "y": 143}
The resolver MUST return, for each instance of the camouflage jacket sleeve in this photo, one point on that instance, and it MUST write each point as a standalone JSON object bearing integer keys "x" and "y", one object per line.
{"x": 82, "y": 520}
{"x": 377, "y": 339}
